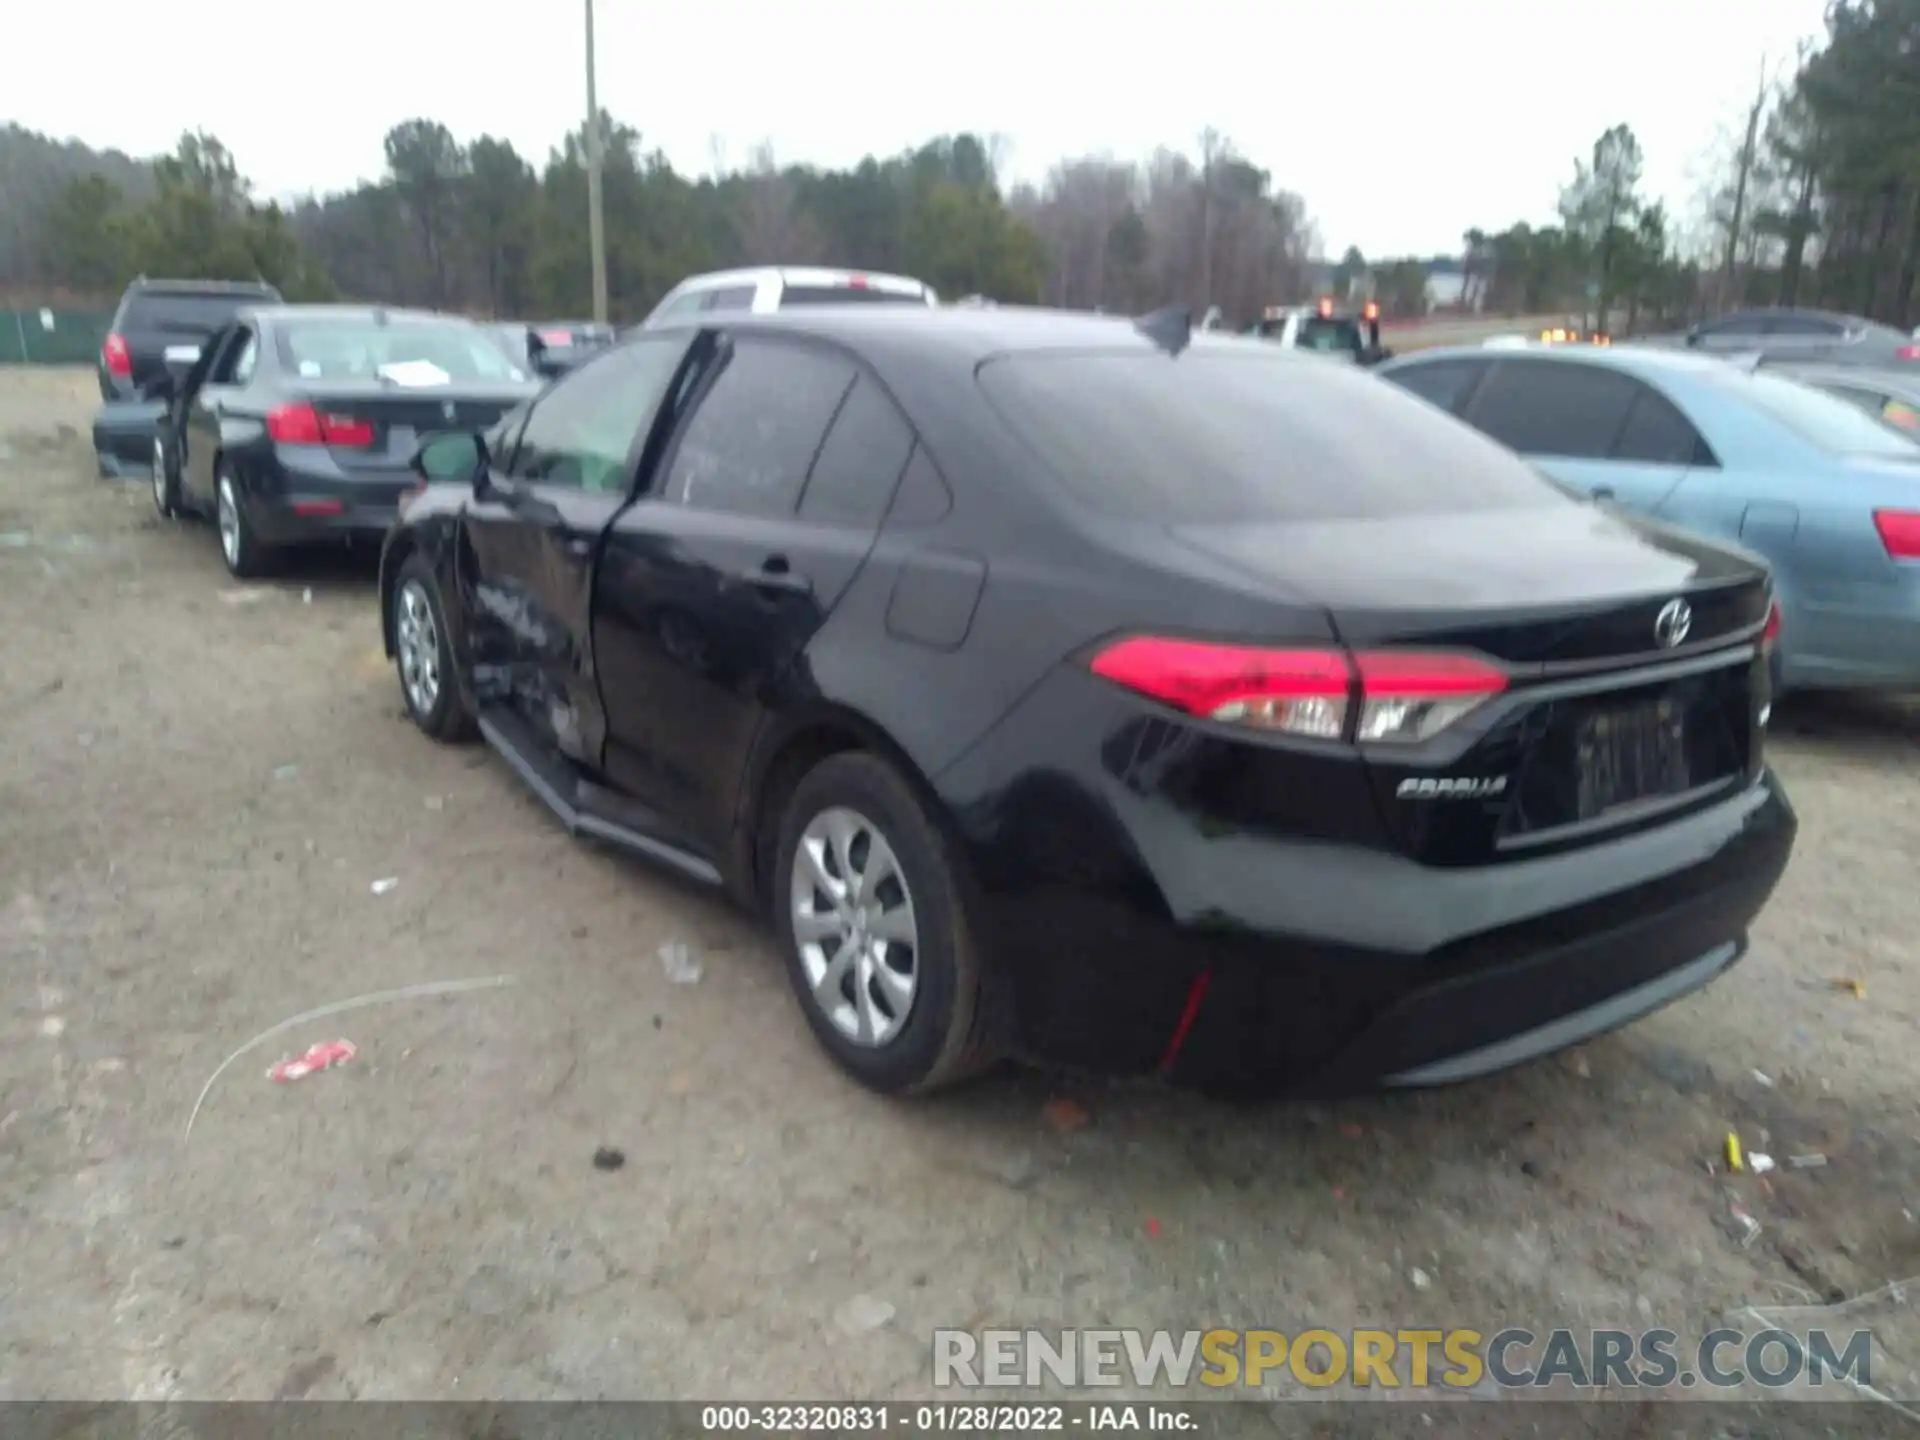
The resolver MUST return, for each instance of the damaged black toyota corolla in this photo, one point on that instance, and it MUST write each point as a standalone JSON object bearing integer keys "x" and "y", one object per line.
{"x": 1075, "y": 689}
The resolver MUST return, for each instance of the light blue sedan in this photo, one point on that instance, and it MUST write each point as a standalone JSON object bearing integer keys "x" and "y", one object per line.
{"x": 1828, "y": 495}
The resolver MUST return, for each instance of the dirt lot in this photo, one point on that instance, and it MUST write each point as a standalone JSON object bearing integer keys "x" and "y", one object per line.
{"x": 199, "y": 784}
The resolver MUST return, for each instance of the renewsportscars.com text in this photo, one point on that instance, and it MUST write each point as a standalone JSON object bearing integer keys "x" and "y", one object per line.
{"x": 1375, "y": 1360}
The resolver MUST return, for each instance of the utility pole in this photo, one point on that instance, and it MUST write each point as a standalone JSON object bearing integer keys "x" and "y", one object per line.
{"x": 596, "y": 218}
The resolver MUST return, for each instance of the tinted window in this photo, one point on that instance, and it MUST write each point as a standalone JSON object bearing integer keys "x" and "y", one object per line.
{"x": 185, "y": 314}
{"x": 1805, "y": 325}
{"x": 1228, "y": 437}
{"x": 1658, "y": 434}
{"x": 731, "y": 297}
{"x": 1443, "y": 382}
{"x": 1817, "y": 417}
{"x": 404, "y": 351}
{"x": 846, "y": 295}
{"x": 852, "y": 480}
{"x": 1861, "y": 399}
{"x": 1551, "y": 407}
{"x": 245, "y": 361}
{"x": 681, "y": 305}
{"x": 583, "y": 431}
{"x": 1737, "y": 325}
{"x": 749, "y": 446}
{"x": 238, "y": 349}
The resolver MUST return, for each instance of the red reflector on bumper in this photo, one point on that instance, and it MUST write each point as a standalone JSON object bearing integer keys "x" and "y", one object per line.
{"x": 318, "y": 507}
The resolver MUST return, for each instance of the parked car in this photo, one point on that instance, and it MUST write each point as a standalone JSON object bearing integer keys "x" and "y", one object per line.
{"x": 296, "y": 423}
{"x": 767, "y": 288}
{"x": 1828, "y": 496}
{"x": 1892, "y": 396}
{"x": 1819, "y": 336}
{"x": 1070, "y": 687}
{"x": 157, "y": 321}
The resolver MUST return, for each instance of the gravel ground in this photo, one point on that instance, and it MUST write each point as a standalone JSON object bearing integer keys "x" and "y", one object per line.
{"x": 200, "y": 784}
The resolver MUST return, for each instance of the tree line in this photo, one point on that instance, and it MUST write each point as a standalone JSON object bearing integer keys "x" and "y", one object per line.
{"x": 1817, "y": 201}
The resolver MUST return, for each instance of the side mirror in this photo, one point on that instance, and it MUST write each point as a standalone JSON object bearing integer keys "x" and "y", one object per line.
{"x": 458, "y": 456}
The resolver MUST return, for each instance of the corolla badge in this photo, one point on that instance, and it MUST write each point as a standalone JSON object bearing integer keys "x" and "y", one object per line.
{"x": 1453, "y": 787}
{"x": 1671, "y": 625}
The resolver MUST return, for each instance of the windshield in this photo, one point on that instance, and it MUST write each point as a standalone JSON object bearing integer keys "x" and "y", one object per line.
{"x": 1831, "y": 424}
{"x": 406, "y": 352}
{"x": 1249, "y": 437}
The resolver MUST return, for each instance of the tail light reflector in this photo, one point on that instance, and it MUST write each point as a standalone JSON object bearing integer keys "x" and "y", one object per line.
{"x": 118, "y": 358}
{"x": 304, "y": 425}
{"x": 1770, "y": 636}
{"x": 1374, "y": 696}
{"x": 561, "y": 338}
{"x": 1908, "y": 352}
{"x": 1899, "y": 532}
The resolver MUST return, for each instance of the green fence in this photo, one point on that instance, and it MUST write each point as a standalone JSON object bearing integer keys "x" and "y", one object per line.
{"x": 52, "y": 337}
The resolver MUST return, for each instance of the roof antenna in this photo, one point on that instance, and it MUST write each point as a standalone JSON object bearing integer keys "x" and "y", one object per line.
{"x": 1170, "y": 329}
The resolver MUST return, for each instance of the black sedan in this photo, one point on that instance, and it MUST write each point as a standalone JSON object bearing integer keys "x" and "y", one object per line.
{"x": 296, "y": 423}
{"x": 1106, "y": 693}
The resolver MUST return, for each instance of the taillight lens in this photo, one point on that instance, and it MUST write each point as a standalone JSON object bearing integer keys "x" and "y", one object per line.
{"x": 119, "y": 359}
{"x": 1908, "y": 352}
{"x": 1770, "y": 636}
{"x": 560, "y": 338}
{"x": 1899, "y": 532}
{"x": 304, "y": 425}
{"x": 1375, "y": 696}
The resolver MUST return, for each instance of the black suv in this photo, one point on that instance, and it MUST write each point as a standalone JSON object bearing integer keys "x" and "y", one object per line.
{"x": 158, "y": 316}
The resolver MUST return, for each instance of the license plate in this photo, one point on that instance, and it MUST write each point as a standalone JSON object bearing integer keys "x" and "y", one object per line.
{"x": 1633, "y": 754}
{"x": 181, "y": 354}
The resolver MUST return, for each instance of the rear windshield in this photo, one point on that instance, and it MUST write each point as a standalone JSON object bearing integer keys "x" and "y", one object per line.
{"x": 407, "y": 352}
{"x": 1231, "y": 437}
{"x": 185, "y": 314}
{"x": 1321, "y": 334}
{"x": 1821, "y": 419}
{"x": 846, "y": 295}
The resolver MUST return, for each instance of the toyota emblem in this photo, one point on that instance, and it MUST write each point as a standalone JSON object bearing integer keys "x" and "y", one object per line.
{"x": 1671, "y": 625}
{"x": 447, "y": 409}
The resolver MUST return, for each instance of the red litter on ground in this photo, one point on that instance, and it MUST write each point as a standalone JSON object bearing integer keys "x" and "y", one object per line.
{"x": 320, "y": 1057}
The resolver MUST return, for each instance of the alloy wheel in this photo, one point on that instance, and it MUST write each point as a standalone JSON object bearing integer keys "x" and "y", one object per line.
{"x": 853, "y": 922}
{"x": 229, "y": 506}
{"x": 160, "y": 478}
{"x": 417, "y": 639}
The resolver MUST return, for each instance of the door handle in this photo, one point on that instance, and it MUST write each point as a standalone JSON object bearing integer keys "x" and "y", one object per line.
{"x": 1603, "y": 492}
{"x": 777, "y": 577}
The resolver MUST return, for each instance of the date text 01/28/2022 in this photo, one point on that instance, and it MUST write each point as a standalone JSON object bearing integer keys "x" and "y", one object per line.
{"x": 964, "y": 1418}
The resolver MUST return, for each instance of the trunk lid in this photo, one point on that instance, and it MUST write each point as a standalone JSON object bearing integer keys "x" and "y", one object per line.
{"x": 1613, "y": 717}
{"x": 401, "y": 416}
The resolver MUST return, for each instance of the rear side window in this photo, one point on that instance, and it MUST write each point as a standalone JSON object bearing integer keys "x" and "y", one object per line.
{"x": 845, "y": 295}
{"x": 1554, "y": 407}
{"x": 751, "y": 442}
{"x": 731, "y": 297}
{"x": 1658, "y": 434}
{"x": 1806, "y": 325}
{"x": 1737, "y": 325}
{"x": 1445, "y": 383}
{"x": 853, "y": 478}
{"x": 1231, "y": 437}
{"x": 184, "y": 314}
{"x": 1817, "y": 417}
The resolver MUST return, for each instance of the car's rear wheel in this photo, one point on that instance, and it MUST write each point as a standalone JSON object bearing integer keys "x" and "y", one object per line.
{"x": 166, "y": 483}
{"x": 871, "y": 906}
{"x": 246, "y": 557}
{"x": 423, "y": 655}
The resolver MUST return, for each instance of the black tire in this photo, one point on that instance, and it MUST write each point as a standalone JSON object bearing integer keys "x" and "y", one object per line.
{"x": 951, "y": 1029}
{"x": 246, "y": 558}
{"x": 165, "y": 481}
{"x": 447, "y": 718}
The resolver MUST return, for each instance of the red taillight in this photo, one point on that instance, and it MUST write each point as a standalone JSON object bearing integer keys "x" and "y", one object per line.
{"x": 1908, "y": 352}
{"x": 562, "y": 338}
{"x": 856, "y": 282}
{"x": 1383, "y": 695}
{"x": 118, "y": 358}
{"x": 1899, "y": 532}
{"x": 1770, "y": 636}
{"x": 304, "y": 425}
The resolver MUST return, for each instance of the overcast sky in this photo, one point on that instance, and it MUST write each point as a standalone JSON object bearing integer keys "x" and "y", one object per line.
{"x": 1401, "y": 122}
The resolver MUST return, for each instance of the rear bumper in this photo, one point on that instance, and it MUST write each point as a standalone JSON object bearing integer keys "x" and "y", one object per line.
{"x": 303, "y": 500}
{"x": 1134, "y": 938}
